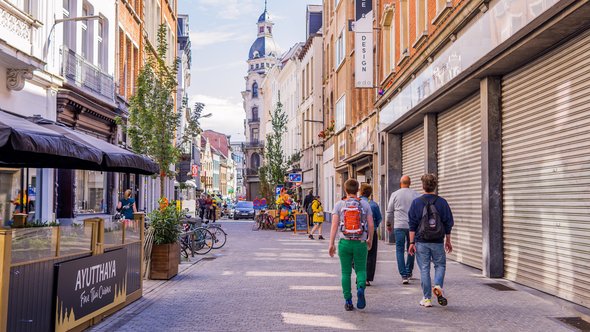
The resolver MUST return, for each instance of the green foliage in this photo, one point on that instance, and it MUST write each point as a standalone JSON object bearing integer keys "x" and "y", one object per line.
{"x": 165, "y": 223}
{"x": 276, "y": 163}
{"x": 152, "y": 118}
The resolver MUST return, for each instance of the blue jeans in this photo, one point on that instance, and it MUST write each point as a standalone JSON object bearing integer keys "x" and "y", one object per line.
{"x": 405, "y": 265}
{"x": 435, "y": 252}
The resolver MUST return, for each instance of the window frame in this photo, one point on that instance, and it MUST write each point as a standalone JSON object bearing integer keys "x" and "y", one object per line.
{"x": 340, "y": 114}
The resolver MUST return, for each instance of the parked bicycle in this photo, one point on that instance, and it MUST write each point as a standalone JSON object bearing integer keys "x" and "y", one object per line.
{"x": 264, "y": 221}
{"x": 195, "y": 240}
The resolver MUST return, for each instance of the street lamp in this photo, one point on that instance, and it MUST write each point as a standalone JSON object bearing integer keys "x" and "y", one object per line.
{"x": 62, "y": 20}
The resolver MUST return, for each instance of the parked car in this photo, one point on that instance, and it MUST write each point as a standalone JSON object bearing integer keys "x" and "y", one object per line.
{"x": 243, "y": 210}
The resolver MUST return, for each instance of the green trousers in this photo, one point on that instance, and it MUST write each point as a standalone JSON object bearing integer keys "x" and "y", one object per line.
{"x": 352, "y": 251}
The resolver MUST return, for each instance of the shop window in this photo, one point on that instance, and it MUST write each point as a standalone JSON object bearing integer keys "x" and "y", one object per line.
{"x": 13, "y": 199}
{"x": 90, "y": 193}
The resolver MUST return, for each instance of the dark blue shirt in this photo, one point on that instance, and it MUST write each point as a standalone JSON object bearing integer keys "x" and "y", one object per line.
{"x": 443, "y": 208}
{"x": 127, "y": 207}
{"x": 377, "y": 217}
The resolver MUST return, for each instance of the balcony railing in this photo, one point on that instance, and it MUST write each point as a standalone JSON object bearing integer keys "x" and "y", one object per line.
{"x": 254, "y": 120}
{"x": 254, "y": 144}
{"x": 91, "y": 79}
{"x": 251, "y": 172}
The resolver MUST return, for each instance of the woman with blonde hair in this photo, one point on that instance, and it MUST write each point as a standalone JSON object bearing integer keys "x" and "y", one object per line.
{"x": 127, "y": 206}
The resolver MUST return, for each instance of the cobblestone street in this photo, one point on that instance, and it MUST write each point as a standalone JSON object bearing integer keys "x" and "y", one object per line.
{"x": 273, "y": 281}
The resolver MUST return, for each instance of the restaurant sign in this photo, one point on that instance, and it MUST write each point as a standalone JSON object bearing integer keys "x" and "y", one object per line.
{"x": 89, "y": 286}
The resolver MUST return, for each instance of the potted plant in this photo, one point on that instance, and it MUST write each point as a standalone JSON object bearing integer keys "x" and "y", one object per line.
{"x": 165, "y": 256}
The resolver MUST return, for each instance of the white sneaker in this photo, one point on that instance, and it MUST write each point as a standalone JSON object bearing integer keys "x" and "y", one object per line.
{"x": 426, "y": 303}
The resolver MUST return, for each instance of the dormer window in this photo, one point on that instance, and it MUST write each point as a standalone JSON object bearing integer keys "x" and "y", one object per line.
{"x": 261, "y": 30}
{"x": 269, "y": 29}
{"x": 256, "y": 54}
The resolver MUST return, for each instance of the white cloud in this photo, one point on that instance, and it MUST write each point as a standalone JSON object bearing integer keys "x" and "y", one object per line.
{"x": 228, "y": 9}
{"x": 202, "y": 39}
{"x": 228, "y": 115}
{"x": 233, "y": 64}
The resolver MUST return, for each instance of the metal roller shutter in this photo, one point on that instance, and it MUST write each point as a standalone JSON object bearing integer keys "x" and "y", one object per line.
{"x": 459, "y": 171}
{"x": 413, "y": 156}
{"x": 546, "y": 170}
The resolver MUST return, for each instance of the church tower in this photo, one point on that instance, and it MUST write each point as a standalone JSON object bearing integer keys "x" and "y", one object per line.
{"x": 262, "y": 56}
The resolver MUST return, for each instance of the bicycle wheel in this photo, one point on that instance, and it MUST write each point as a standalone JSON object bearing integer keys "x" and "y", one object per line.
{"x": 184, "y": 247}
{"x": 270, "y": 220}
{"x": 219, "y": 237}
{"x": 257, "y": 223}
{"x": 203, "y": 241}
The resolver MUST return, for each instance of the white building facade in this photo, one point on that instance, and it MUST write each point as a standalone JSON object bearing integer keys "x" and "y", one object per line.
{"x": 261, "y": 58}
{"x": 30, "y": 72}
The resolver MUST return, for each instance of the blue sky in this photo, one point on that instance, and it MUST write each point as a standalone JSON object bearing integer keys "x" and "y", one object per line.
{"x": 222, "y": 32}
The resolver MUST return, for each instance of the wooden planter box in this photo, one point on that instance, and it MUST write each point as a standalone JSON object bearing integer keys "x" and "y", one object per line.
{"x": 165, "y": 261}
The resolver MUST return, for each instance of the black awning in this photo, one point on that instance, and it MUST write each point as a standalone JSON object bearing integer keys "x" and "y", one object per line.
{"x": 26, "y": 144}
{"x": 114, "y": 159}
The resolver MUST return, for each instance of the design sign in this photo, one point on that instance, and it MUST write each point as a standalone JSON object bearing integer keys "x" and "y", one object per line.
{"x": 89, "y": 286}
{"x": 363, "y": 44}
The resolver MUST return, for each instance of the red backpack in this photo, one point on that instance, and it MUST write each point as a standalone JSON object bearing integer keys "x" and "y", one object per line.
{"x": 353, "y": 222}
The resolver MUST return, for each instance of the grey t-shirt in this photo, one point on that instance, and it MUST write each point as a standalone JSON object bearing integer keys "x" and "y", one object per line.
{"x": 398, "y": 207}
{"x": 366, "y": 211}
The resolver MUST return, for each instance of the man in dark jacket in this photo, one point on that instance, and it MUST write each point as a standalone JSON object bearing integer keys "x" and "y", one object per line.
{"x": 434, "y": 249}
{"x": 307, "y": 206}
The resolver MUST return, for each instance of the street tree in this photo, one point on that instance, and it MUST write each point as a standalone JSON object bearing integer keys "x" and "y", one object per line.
{"x": 276, "y": 163}
{"x": 153, "y": 121}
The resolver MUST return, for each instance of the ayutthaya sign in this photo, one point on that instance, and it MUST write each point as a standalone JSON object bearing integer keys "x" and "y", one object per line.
{"x": 89, "y": 286}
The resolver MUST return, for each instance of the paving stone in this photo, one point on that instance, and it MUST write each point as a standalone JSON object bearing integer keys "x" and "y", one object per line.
{"x": 278, "y": 281}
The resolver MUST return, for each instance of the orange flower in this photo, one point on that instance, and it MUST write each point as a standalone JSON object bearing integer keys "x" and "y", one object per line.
{"x": 163, "y": 203}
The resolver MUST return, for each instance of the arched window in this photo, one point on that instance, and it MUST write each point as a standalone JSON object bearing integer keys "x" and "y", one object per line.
{"x": 255, "y": 90}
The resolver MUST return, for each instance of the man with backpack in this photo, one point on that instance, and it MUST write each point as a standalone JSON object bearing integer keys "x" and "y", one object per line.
{"x": 352, "y": 221}
{"x": 431, "y": 222}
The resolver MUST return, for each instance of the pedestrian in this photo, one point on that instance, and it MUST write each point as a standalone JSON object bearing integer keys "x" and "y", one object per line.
{"x": 307, "y": 206}
{"x": 397, "y": 221}
{"x": 208, "y": 207}
{"x": 318, "y": 217}
{"x": 126, "y": 205}
{"x": 202, "y": 207}
{"x": 213, "y": 209}
{"x": 431, "y": 222}
{"x": 353, "y": 223}
{"x": 366, "y": 192}
{"x": 20, "y": 202}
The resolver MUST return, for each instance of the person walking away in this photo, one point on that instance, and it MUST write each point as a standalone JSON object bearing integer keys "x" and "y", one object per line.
{"x": 318, "y": 217}
{"x": 352, "y": 222}
{"x": 126, "y": 205}
{"x": 307, "y": 201}
{"x": 208, "y": 207}
{"x": 366, "y": 192}
{"x": 397, "y": 216}
{"x": 213, "y": 210}
{"x": 202, "y": 207}
{"x": 431, "y": 222}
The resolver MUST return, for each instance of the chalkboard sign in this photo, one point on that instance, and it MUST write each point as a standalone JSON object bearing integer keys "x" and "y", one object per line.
{"x": 301, "y": 224}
